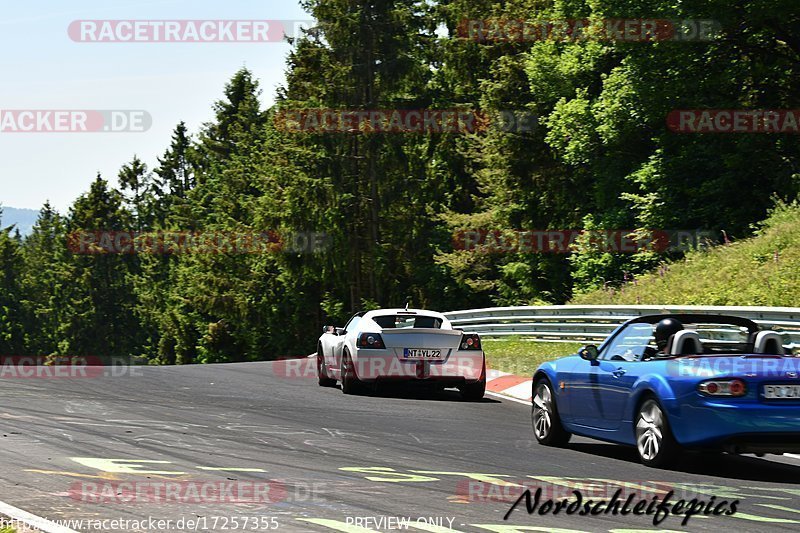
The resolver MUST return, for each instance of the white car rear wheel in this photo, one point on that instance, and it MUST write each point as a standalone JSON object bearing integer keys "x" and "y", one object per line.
{"x": 350, "y": 382}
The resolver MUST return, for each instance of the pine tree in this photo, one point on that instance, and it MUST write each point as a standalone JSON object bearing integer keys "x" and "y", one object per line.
{"x": 176, "y": 178}
{"x": 137, "y": 182}
{"x": 365, "y": 55}
{"x": 46, "y": 282}
{"x": 99, "y": 318}
{"x": 11, "y": 317}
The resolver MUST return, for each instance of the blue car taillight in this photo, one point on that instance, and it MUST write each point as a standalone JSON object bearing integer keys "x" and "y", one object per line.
{"x": 470, "y": 341}
{"x": 722, "y": 387}
{"x": 371, "y": 340}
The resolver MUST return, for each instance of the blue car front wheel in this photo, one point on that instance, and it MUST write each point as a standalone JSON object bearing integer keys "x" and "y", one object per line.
{"x": 654, "y": 441}
{"x": 546, "y": 423}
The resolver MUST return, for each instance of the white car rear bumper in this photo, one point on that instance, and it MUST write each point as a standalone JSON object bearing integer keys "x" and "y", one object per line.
{"x": 455, "y": 366}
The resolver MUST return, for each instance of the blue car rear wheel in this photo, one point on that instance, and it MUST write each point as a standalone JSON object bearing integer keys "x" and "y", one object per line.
{"x": 654, "y": 441}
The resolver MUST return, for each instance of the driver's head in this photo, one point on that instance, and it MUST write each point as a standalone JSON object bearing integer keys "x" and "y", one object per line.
{"x": 666, "y": 329}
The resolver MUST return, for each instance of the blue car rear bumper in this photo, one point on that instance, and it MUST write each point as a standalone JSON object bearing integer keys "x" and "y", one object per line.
{"x": 737, "y": 423}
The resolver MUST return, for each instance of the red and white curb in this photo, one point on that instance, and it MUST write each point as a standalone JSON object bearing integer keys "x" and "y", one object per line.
{"x": 509, "y": 385}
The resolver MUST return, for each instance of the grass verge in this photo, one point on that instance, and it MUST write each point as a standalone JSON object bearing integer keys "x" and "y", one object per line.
{"x": 763, "y": 270}
{"x": 522, "y": 356}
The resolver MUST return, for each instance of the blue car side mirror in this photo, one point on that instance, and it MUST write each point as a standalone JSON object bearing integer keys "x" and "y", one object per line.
{"x": 588, "y": 352}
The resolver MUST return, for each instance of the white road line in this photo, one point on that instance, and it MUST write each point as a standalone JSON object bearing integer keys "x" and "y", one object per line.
{"x": 509, "y": 398}
{"x": 36, "y": 522}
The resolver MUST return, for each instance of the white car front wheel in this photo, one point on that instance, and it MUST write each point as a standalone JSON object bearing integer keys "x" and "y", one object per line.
{"x": 322, "y": 374}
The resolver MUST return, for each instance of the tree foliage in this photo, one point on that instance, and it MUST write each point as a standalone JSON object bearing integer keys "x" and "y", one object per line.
{"x": 599, "y": 157}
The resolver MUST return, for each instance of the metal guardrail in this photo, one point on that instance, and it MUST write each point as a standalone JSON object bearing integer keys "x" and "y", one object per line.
{"x": 593, "y": 323}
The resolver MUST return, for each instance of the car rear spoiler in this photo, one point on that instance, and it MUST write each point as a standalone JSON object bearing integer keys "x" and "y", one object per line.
{"x": 408, "y": 331}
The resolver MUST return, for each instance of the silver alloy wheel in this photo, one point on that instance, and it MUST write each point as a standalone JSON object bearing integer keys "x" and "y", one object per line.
{"x": 649, "y": 430}
{"x": 542, "y": 411}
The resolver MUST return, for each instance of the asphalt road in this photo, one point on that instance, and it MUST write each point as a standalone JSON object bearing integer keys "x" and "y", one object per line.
{"x": 306, "y": 458}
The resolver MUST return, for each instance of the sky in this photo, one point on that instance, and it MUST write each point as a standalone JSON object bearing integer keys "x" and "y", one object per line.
{"x": 43, "y": 68}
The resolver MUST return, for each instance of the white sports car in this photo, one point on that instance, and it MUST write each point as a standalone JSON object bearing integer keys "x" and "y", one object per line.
{"x": 401, "y": 345}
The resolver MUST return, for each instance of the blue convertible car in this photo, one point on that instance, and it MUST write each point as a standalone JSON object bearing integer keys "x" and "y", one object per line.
{"x": 667, "y": 382}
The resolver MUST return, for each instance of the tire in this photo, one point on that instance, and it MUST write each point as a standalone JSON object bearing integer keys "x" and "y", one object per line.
{"x": 546, "y": 423}
{"x": 474, "y": 392}
{"x": 350, "y": 382}
{"x": 322, "y": 374}
{"x": 655, "y": 443}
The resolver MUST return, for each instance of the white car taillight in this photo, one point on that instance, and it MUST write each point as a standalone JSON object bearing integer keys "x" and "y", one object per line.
{"x": 470, "y": 341}
{"x": 371, "y": 340}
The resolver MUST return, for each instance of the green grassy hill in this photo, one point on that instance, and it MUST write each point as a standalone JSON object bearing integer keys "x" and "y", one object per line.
{"x": 763, "y": 270}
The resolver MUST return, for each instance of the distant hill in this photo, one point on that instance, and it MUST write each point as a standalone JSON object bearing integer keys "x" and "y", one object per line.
{"x": 23, "y": 218}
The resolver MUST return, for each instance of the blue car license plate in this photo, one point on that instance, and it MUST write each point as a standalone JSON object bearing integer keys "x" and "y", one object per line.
{"x": 782, "y": 392}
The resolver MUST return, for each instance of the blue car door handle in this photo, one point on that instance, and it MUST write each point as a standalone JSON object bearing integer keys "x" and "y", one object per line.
{"x": 619, "y": 372}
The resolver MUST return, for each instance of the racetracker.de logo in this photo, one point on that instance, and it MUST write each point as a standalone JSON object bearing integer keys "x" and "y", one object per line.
{"x": 63, "y": 367}
{"x": 101, "y": 242}
{"x": 185, "y": 31}
{"x": 575, "y": 30}
{"x": 178, "y": 492}
{"x": 734, "y": 121}
{"x": 403, "y": 121}
{"x": 382, "y": 366}
{"x": 565, "y": 241}
{"x": 74, "y": 121}
{"x": 708, "y": 366}
{"x": 509, "y": 490}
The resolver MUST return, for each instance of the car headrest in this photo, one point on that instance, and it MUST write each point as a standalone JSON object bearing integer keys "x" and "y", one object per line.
{"x": 768, "y": 342}
{"x": 686, "y": 342}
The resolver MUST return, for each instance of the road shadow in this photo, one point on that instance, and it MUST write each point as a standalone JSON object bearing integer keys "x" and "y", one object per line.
{"x": 421, "y": 393}
{"x": 722, "y": 465}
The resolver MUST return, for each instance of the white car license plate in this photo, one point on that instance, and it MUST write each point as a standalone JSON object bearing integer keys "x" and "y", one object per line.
{"x": 419, "y": 353}
{"x": 781, "y": 392}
